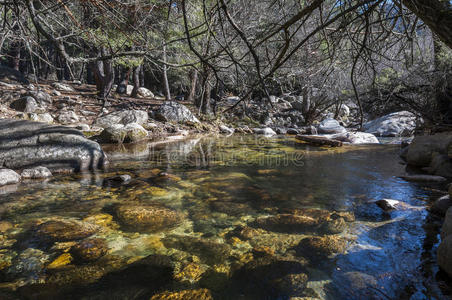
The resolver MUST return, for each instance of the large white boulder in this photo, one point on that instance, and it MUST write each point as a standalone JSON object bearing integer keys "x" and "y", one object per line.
{"x": 402, "y": 123}
{"x": 8, "y": 177}
{"x": 144, "y": 93}
{"x": 62, "y": 87}
{"x": 27, "y": 144}
{"x": 330, "y": 126}
{"x": 36, "y": 173}
{"x": 171, "y": 111}
{"x": 356, "y": 138}
{"x": 267, "y": 131}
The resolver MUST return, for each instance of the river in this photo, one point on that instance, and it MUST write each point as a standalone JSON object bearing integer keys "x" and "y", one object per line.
{"x": 239, "y": 217}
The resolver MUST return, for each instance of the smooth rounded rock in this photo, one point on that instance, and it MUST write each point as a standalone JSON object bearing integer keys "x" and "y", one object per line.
{"x": 267, "y": 131}
{"x": 356, "y": 138}
{"x": 171, "y": 111}
{"x": 402, "y": 123}
{"x": 441, "y": 205}
{"x": 134, "y": 133}
{"x": 330, "y": 126}
{"x": 25, "y": 104}
{"x": 145, "y": 93}
{"x": 321, "y": 246}
{"x": 89, "y": 249}
{"x": 65, "y": 230}
{"x": 147, "y": 218}
{"x": 445, "y": 255}
{"x": 8, "y": 177}
{"x": 26, "y": 144}
{"x": 36, "y": 173}
{"x": 446, "y": 230}
{"x": 199, "y": 294}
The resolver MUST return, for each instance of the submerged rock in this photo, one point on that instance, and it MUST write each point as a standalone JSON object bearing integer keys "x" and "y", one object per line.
{"x": 321, "y": 246}
{"x": 26, "y": 144}
{"x": 304, "y": 220}
{"x": 199, "y": 294}
{"x": 270, "y": 278}
{"x": 357, "y": 285}
{"x": 36, "y": 173}
{"x": 147, "y": 218}
{"x": 77, "y": 275}
{"x": 8, "y": 177}
{"x": 89, "y": 249}
{"x": 208, "y": 251}
{"x": 61, "y": 261}
{"x": 292, "y": 284}
{"x": 65, "y": 230}
{"x": 231, "y": 208}
{"x": 29, "y": 263}
{"x": 423, "y": 178}
{"x": 191, "y": 273}
{"x": 117, "y": 180}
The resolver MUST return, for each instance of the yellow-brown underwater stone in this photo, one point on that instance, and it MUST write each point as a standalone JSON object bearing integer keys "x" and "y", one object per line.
{"x": 61, "y": 261}
{"x": 321, "y": 246}
{"x": 89, "y": 249}
{"x": 191, "y": 272}
{"x": 148, "y": 218}
{"x": 65, "y": 230}
{"x": 199, "y": 294}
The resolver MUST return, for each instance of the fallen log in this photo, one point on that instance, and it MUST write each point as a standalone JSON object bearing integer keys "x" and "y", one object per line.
{"x": 319, "y": 140}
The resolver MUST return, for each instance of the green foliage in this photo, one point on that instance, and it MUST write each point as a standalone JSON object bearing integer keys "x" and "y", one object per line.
{"x": 387, "y": 77}
{"x": 445, "y": 58}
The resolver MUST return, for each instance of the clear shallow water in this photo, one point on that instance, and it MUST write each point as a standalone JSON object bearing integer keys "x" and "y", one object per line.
{"x": 228, "y": 218}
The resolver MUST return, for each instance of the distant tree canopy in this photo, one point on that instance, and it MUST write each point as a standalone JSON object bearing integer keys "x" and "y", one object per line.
{"x": 247, "y": 47}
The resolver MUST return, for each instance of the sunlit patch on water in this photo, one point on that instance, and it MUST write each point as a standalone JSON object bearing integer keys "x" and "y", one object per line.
{"x": 220, "y": 218}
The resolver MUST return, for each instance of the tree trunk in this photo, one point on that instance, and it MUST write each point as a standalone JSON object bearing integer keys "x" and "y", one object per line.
{"x": 437, "y": 14}
{"x": 443, "y": 85}
{"x": 204, "y": 103}
{"x": 142, "y": 75}
{"x": 165, "y": 76}
{"x": 15, "y": 57}
{"x": 122, "y": 86}
{"x": 104, "y": 76}
{"x": 194, "y": 82}
{"x": 136, "y": 81}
